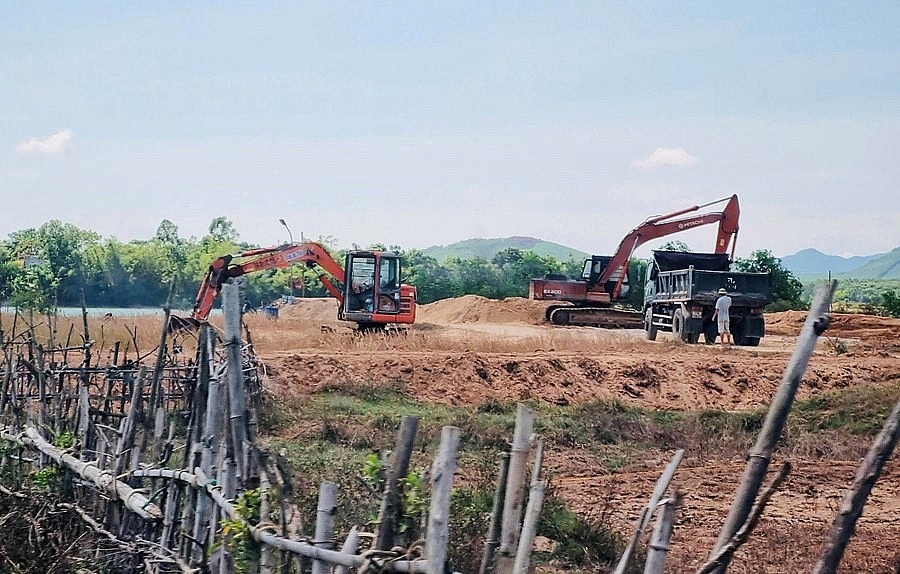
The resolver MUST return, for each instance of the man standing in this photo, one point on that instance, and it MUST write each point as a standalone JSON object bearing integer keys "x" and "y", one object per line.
{"x": 723, "y": 308}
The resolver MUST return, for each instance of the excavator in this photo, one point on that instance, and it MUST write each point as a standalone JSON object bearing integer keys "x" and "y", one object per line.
{"x": 367, "y": 287}
{"x": 595, "y": 298}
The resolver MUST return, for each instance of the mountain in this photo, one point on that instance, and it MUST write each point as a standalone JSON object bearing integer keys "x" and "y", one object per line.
{"x": 812, "y": 263}
{"x": 487, "y": 248}
{"x": 886, "y": 266}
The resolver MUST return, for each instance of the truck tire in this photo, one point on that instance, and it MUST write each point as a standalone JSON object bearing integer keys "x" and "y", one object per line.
{"x": 649, "y": 327}
{"x": 711, "y": 332}
{"x": 741, "y": 338}
{"x": 678, "y": 329}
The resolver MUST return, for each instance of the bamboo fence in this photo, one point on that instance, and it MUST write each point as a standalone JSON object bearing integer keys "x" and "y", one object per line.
{"x": 158, "y": 456}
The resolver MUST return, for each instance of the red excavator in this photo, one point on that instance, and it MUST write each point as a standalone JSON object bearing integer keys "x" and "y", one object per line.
{"x": 590, "y": 300}
{"x": 368, "y": 289}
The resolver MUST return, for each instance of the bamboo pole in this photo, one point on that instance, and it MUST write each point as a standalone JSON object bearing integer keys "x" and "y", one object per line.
{"x": 662, "y": 533}
{"x": 325, "y": 523}
{"x": 231, "y": 307}
{"x": 265, "y": 510}
{"x": 211, "y": 430}
{"x": 661, "y": 485}
{"x": 156, "y": 393}
{"x": 529, "y": 528}
{"x": 350, "y": 546}
{"x": 199, "y": 480}
{"x": 761, "y": 454}
{"x": 515, "y": 486}
{"x": 442, "y": 470}
{"x": 133, "y": 499}
{"x": 389, "y": 514}
{"x": 870, "y": 468}
{"x": 492, "y": 540}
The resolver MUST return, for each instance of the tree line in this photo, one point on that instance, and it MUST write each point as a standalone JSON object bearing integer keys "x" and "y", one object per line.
{"x": 59, "y": 265}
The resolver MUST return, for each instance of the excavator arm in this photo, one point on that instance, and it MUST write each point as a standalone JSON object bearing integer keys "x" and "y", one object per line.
{"x": 228, "y": 266}
{"x": 663, "y": 225}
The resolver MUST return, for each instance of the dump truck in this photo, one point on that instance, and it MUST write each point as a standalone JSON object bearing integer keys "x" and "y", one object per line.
{"x": 681, "y": 291}
{"x": 597, "y": 297}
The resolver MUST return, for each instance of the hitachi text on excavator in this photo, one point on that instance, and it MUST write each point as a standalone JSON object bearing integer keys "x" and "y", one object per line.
{"x": 367, "y": 287}
{"x": 595, "y": 298}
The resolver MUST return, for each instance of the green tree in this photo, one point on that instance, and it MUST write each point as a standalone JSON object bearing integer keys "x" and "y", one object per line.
{"x": 787, "y": 290}
{"x": 675, "y": 245}
{"x": 432, "y": 280}
{"x": 891, "y": 303}
{"x": 476, "y": 276}
{"x": 63, "y": 247}
{"x": 517, "y": 268}
{"x": 9, "y": 268}
{"x": 222, "y": 229}
{"x": 35, "y": 289}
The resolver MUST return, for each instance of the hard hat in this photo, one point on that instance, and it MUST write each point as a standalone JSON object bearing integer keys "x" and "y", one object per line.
{"x": 722, "y": 291}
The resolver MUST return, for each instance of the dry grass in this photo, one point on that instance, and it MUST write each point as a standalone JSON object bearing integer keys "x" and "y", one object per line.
{"x": 137, "y": 337}
{"x": 290, "y": 333}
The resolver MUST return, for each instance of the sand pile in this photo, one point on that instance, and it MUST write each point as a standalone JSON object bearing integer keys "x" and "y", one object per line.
{"x": 785, "y": 322}
{"x": 477, "y": 309}
{"x": 318, "y": 310}
{"x": 842, "y": 325}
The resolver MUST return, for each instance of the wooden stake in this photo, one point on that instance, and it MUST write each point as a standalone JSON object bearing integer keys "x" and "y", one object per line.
{"x": 515, "y": 485}
{"x": 662, "y": 532}
{"x": 325, "y": 523}
{"x": 389, "y": 514}
{"x": 492, "y": 540}
{"x": 442, "y": 471}
{"x": 661, "y": 485}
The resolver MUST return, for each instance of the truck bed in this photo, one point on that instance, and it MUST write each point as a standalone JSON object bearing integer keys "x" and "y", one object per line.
{"x": 702, "y": 286}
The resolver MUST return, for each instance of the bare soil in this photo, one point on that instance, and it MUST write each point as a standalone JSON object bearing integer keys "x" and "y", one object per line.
{"x": 471, "y": 350}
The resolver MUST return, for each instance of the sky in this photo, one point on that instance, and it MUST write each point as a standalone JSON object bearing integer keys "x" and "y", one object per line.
{"x": 426, "y": 123}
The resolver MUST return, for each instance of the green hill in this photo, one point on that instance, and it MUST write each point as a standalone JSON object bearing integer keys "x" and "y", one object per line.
{"x": 487, "y": 248}
{"x": 885, "y": 267}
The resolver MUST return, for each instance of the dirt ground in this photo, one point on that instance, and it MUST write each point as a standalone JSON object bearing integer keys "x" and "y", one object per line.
{"x": 470, "y": 350}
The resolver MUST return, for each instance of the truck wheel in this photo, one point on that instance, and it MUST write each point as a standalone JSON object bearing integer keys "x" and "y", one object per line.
{"x": 678, "y": 326}
{"x": 710, "y": 333}
{"x": 649, "y": 327}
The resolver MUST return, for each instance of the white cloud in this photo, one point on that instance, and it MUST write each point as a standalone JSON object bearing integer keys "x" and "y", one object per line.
{"x": 666, "y": 156}
{"x": 55, "y": 144}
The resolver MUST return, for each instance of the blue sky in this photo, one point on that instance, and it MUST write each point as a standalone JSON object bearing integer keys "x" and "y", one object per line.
{"x": 427, "y": 123}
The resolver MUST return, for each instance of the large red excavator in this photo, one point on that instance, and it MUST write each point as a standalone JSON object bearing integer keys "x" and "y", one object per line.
{"x": 367, "y": 287}
{"x": 589, "y": 300}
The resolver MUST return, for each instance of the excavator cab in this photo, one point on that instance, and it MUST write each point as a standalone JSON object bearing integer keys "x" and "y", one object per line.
{"x": 593, "y": 270}
{"x": 372, "y": 288}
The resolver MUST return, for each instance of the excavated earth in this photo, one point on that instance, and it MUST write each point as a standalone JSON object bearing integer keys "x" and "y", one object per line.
{"x": 470, "y": 350}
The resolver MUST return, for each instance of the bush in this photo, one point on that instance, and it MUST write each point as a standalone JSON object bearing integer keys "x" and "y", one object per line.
{"x": 891, "y": 303}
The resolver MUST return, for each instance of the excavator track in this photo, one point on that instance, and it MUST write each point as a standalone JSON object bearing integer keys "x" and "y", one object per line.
{"x": 605, "y": 317}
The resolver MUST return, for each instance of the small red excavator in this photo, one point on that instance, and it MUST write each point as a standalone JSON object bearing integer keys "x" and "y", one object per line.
{"x": 367, "y": 287}
{"x": 590, "y": 299}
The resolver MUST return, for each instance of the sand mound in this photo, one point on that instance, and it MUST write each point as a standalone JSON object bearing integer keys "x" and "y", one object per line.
{"x": 477, "y": 309}
{"x": 318, "y": 310}
{"x": 785, "y": 322}
{"x": 842, "y": 325}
